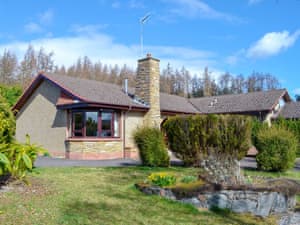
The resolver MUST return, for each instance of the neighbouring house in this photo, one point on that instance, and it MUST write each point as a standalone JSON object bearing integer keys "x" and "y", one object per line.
{"x": 291, "y": 110}
{"x": 85, "y": 119}
{"x": 264, "y": 105}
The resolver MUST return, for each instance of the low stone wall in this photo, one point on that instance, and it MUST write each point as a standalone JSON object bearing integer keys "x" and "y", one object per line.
{"x": 94, "y": 149}
{"x": 239, "y": 201}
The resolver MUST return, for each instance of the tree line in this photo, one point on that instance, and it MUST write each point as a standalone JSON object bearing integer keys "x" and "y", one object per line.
{"x": 173, "y": 81}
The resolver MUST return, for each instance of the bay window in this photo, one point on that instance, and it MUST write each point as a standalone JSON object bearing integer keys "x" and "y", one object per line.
{"x": 97, "y": 124}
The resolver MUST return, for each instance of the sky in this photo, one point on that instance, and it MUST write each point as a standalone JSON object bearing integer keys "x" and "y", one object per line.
{"x": 232, "y": 36}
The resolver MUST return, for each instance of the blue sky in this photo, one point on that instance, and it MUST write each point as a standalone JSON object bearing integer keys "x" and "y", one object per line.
{"x": 227, "y": 36}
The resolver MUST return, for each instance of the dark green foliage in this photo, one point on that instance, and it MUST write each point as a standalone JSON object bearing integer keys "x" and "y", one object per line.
{"x": 194, "y": 137}
{"x": 16, "y": 159}
{"x": 7, "y": 123}
{"x": 276, "y": 149}
{"x": 10, "y": 93}
{"x": 256, "y": 126}
{"x": 151, "y": 145}
{"x": 292, "y": 125}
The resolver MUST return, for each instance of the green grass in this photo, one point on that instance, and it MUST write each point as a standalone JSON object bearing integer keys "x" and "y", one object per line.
{"x": 288, "y": 174}
{"x": 103, "y": 196}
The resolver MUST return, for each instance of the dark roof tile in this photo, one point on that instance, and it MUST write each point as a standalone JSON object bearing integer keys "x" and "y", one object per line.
{"x": 254, "y": 101}
{"x": 176, "y": 103}
{"x": 94, "y": 91}
{"x": 291, "y": 110}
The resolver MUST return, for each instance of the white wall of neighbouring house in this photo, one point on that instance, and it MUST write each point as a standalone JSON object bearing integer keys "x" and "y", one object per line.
{"x": 42, "y": 121}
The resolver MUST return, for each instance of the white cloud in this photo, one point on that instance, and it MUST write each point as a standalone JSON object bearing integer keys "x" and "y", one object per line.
{"x": 46, "y": 17}
{"x": 33, "y": 28}
{"x": 272, "y": 44}
{"x": 136, "y": 4}
{"x": 88, "y": 29}
{"x": 102, "y": 47}
{"x": 297, "y": 91}
{"x": 116, "y": 5}
{"x": 197, "y": 8}
{"x": 253, "y": 2}
{"x": 43, "y": 19}
{"x": 236, "y": 57}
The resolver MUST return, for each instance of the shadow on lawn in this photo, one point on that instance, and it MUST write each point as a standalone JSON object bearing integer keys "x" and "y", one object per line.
{"x": 83, "y": 212}
{"x": 231, "y": 217}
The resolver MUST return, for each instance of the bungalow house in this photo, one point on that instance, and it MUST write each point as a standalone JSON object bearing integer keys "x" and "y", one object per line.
{"x": 291, "y": 110}
{"x": 84, "y": 119}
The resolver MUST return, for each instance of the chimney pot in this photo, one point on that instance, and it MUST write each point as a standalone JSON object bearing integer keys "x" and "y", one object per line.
{"x": 149, "y": 55}
{"x": 126, "y": 86}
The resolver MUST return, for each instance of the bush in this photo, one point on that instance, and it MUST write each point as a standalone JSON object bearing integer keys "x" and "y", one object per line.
{"x": 257, "y": 125}
{"x": 10, "y": 93}
{"x": 276, "y": 149}
{"x": 292, "y": 125}
{"x": 193, "y": 138}
{"x": 17, "y": 159}
{"x": 162, "y": 179}
{"x": 152, "y": 148}
{"x": 7, "y": 123}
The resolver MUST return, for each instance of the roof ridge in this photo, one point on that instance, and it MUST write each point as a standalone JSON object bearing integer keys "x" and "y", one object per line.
{"x": 247, "y": 93}
{"x": 80, "y": 78}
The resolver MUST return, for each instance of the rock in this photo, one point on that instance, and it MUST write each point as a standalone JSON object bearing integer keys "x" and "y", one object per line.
{"x": 292, "y": 218}
{"x": 220, "y": 200}
{"x": 257, "y": 202}
{"x": 193, "y": 201}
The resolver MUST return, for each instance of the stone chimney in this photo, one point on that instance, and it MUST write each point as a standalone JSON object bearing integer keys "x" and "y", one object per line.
{"x": 147, "y": 89}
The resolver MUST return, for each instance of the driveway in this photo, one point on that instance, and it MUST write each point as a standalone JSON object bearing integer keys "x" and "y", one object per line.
{"x": 247, "y": 162}
{"x": 57, "y": 162}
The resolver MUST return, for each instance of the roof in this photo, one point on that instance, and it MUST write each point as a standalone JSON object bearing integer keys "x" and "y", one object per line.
{"x": 101, "y": 94}
{"x": 90, "y": 91}
{"x": 174, "y": 103}
{"x": 291, "y": 110}
{"x": 236, "y": 103}
{"x": 94, "y": 91}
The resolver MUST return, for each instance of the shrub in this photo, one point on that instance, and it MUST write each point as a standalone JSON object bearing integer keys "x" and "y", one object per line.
{"x": 162, "y": 179}
{"x": 7, "y": 123}
{"x": 257, "y": 125}
{"x": 17, "y": 159}
{"x": 276, "y": 149}
{"x": 152, "y": 148}
{"x": 192, "y": 138}
{"x": 292, "y": 125}
{"x": 10, "y": 93}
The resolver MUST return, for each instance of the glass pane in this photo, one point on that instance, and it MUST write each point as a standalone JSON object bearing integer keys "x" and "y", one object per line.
{"x": 106, "y": 118}
{"x": 91, "y": 123}
{"x": 78, "y": 120}
{"x": 116, "y": 125}
{"x": 78, "y": 124}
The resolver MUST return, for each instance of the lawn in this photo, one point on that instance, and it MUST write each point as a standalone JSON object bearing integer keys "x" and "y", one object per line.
{"x": 102, "y": 196}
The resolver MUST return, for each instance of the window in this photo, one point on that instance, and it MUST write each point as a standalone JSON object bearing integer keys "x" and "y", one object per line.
{"x": 106, "y": 124}
{"x": 91, "y": 124}
{"x": 103, "y": 124}
{"x": 78, "y": 124}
